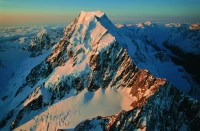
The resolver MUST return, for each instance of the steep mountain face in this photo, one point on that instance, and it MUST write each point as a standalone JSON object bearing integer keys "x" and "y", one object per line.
{"x": 96, "y": 61}
{"x": 94, "y": 66}
{"x": 179, "y": 41}
{"x": 167, "y": 109}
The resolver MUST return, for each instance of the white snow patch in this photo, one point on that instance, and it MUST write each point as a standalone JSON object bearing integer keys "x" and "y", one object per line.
{"x": 69, "y": 112}
{"x": 140, "y": 25}
{"x": 148, "y": 23}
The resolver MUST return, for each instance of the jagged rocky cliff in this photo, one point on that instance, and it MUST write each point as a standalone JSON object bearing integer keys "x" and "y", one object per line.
{"x": 94, "y": 65}
{"x": 167, "y": 109}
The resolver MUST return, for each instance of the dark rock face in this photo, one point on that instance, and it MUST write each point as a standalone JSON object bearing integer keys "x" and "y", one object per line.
{"x": 167, "y": 109}
{"x": 109, "y": 69}
{"x": 144, "y": 86}
{"x": 45, "y": 68}
{"x": 34, "y": 105}
{"x": 7, "y": 117}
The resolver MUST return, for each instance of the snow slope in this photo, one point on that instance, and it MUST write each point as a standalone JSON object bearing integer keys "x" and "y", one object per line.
{"x": 75, "y": 108}
{"x": 167, "y": 109}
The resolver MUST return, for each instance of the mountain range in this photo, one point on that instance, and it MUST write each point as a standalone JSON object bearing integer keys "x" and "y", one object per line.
{"x": 94, "y": 75}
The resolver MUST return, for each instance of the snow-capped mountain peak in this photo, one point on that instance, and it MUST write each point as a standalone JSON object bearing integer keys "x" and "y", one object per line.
{"x": 89, "y": 15}
{"x": 95, "y": 64}
{"x": 87, "y": 57}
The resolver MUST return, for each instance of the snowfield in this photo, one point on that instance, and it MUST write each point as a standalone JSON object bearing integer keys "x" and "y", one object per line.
{"x": 73, "y": 109}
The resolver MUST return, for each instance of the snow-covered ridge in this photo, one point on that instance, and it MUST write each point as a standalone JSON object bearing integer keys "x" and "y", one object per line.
{"x": 173, "y": 40}
{"x": 88, "y": 15}
{"x": 167, "y": 109}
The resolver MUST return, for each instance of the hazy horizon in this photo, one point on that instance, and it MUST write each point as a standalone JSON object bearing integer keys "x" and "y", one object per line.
{"x": 13, "y": 12}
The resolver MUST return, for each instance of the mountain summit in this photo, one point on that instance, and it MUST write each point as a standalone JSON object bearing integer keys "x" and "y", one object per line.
{"x": 89, "y": 15}
{"x": 92, "y": 71}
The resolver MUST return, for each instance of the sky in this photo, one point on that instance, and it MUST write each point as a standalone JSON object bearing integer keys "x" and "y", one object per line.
{"x": 17, "y": 12}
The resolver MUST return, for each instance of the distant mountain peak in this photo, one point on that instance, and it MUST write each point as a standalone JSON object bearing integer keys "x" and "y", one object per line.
{"x": 148, "y": 23}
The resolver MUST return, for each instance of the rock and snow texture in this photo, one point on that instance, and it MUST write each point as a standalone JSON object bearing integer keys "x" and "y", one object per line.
{"x": 156, "y": 44}
{"x": 93, "y": 66}
{"x": 167, "y": 109}
{"x": 44, "y": 40}
{"x": 16, "y": 64}
{"x": 76, "y": 108}
{"x": 15, "y": 61}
